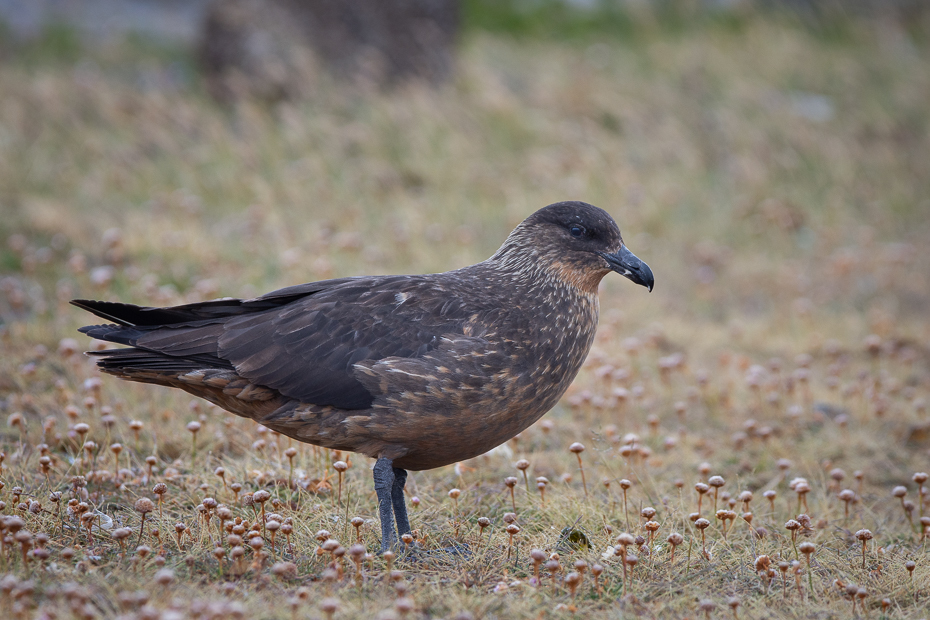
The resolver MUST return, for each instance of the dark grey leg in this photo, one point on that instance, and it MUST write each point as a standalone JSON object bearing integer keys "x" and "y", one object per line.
{"x": 397, "y": 499}
{"x": 384, "y": 486}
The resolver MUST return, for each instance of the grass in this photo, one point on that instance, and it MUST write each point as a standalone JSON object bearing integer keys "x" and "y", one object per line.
{"x": 776, "y": 183}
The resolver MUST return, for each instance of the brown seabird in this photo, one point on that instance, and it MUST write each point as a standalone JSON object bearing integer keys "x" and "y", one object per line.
{"x": 416, "y": 371}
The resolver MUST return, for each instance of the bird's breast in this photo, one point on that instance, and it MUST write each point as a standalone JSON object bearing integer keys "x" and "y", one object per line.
{"x": 473, "y": 393}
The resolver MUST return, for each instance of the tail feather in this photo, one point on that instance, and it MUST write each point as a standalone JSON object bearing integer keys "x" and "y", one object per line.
{"x": 178, "y": 339}
{"x": 178, "y": 347}
{"x": 124, "y": 359}
{"x": 129, "y": 315}
{"x": 119, "y": 334}
{"x": 141, "y": 359}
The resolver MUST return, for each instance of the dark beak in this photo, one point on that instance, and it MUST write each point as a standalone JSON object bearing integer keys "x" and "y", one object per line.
{"x": 626, "y": 264}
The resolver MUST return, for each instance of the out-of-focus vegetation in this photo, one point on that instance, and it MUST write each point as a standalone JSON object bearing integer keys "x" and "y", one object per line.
{"x": 634, "y": 21}
{"x": 775, "y": 177}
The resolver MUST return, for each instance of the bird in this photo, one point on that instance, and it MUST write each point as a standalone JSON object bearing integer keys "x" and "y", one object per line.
{"x": 414, "y": 371}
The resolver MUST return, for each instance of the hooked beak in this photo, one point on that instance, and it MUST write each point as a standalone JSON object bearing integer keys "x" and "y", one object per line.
{"x": 629, "y": 266}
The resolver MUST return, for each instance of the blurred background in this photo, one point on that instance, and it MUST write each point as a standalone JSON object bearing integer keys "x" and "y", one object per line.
{"x": 770, "y": 159}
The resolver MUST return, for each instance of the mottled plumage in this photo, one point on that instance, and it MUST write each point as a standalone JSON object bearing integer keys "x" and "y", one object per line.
{"x": 420, "y": 371}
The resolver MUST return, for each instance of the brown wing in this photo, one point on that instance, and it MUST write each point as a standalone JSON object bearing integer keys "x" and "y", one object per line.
{"x": 301, "y": 341}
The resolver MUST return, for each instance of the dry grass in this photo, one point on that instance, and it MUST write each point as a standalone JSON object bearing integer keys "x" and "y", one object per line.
{"x": 778, "y": 185}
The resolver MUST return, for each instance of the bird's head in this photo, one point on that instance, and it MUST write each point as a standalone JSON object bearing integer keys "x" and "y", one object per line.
{"x": 577, "y": 242}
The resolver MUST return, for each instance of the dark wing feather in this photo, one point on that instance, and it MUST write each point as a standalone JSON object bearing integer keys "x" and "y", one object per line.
{"x": 301, "y": 341}
{"x": 306, "y": 350}
{"x": 129, "y": 315}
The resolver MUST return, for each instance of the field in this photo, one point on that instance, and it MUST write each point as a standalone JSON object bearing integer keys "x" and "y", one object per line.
{"x": 775, "y": 177}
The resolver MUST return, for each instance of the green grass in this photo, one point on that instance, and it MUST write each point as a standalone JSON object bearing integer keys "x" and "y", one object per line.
{"x": 772, "y": 236}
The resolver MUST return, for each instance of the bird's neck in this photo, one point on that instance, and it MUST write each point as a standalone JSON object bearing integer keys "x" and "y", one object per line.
{"x": 526, "y": 265}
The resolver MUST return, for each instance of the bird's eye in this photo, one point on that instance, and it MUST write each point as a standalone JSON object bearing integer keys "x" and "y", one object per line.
{"x": 576, "y": 231}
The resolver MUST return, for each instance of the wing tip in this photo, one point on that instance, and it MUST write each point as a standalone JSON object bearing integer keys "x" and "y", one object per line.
{"x": 98, "y": 308}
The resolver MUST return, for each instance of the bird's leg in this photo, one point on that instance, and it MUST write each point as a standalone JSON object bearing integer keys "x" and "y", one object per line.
{"x": 384, "y": 486}
{"x": 397, "y": 499}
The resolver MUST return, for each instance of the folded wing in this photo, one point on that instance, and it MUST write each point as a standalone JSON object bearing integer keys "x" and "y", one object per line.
{"x": 300, "y": 341}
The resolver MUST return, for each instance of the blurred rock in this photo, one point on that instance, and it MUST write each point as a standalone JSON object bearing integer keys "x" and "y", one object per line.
{"x": 272, "y": 49}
